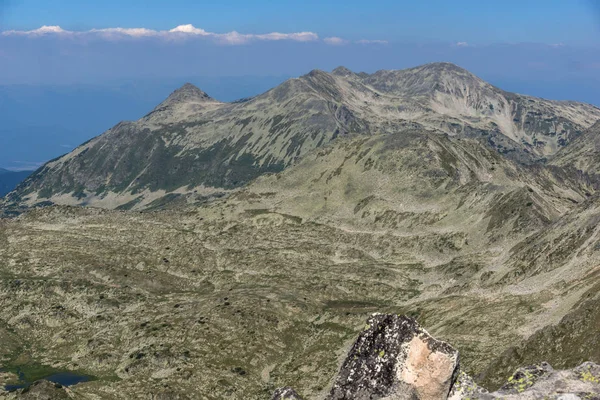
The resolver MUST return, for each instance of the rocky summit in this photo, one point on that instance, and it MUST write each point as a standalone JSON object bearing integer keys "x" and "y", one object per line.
{"x": 223, "y": 250}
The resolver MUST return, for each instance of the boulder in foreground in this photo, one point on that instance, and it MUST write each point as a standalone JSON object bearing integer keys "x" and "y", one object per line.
{"x": 395, "y": 359}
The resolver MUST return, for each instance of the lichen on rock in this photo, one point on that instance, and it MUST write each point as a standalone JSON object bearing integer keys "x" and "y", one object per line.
{"x": 526, "y": 377}
{"x": 286, "y": 393}
{"x": 465, "y": 388}
{"x": 395, "y": 358}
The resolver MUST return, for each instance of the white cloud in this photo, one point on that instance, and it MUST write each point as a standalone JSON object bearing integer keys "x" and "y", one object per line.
{"x": 462, "y": 44}
{"x": 179, "y": 32}
{"x": 366, "y": 41}
{"x": 336, "y": 41}
{"x": 299, "y": 36}
{"x": 115, "y": 33}
{"x": 44, "y": 30}
{"x": 189, "y": 29}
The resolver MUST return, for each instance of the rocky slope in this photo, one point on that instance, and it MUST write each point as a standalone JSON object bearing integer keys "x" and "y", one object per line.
{"x": 583, "y": 154}
{"x": 194, "y": 145}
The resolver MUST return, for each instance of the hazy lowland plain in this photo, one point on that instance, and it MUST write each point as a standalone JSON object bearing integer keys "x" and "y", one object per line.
{"x": 220, "y": 250}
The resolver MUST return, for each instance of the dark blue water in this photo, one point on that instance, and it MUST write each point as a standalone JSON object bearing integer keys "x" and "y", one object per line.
{"x": 62, "y": 378}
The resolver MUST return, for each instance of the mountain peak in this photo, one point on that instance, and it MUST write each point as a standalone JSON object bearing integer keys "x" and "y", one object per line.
{"x": 443, "y": 66}
{"x": 323, "y": 82}
{"x": 444, "y": 70}
{"x": 342, "y": 71}
{"x": 316, "y": 73}
{"x": 188, "y": 92}
{"x": 424, "y": 80}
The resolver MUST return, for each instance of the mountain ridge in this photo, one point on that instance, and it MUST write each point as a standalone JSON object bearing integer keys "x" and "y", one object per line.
{"x": 192, "y": 143}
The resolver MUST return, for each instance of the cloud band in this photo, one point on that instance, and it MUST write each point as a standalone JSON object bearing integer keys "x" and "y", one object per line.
{"x": 180, "y": 32}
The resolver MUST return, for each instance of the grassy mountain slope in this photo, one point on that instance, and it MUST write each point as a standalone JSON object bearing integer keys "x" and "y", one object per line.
{"x": 268, "y": 286}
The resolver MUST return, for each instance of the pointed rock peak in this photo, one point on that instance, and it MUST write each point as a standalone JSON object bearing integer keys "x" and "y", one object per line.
{"x": 315, "y": 73}
{"x": 342, "y": 71}
{"x": 188, "y": 92}
{"x": 318, "y": 77}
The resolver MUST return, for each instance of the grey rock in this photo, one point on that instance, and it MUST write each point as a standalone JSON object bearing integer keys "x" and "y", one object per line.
{"x": 537, "y": 382}
{"x": 394, "y": 358}
{"x": 465, "y": 387}
{"x": 286, "y": 393}
{"x": 526, "y": 377}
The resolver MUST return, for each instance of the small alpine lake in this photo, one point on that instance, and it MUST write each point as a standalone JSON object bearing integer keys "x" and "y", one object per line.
{"x": 28, "y": 374}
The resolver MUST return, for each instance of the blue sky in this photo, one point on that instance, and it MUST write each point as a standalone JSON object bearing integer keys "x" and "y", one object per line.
{"x": 573, "y": 22}
{"x": 520, "y": 44}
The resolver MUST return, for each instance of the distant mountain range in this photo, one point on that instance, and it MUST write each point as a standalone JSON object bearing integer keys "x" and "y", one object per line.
{"x": 193, "y": 144}
{"x": 10, "y": 179}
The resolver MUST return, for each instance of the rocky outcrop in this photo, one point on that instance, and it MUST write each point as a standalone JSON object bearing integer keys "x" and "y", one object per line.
{"x": 286, "y": 393}
{"x": 537, "y": 382}
{"x": 40, "y": 390}
{"x": 395, "y": 359}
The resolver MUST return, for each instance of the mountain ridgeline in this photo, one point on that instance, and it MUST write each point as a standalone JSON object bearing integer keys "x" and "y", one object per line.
{"x": 192, "y": 147}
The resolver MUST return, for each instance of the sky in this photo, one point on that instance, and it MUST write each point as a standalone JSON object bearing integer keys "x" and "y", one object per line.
{"x": 74, "y": 41}
{"x": 572, "y": 22}
{"x": 70, "y": 69}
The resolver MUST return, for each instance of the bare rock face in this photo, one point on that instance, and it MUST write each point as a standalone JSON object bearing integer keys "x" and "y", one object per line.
{"x": 394, "y": 358}
{"x": 286, "y": 393}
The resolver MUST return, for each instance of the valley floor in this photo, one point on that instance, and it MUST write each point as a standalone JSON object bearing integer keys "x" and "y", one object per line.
{"x": 197, "y": 304}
